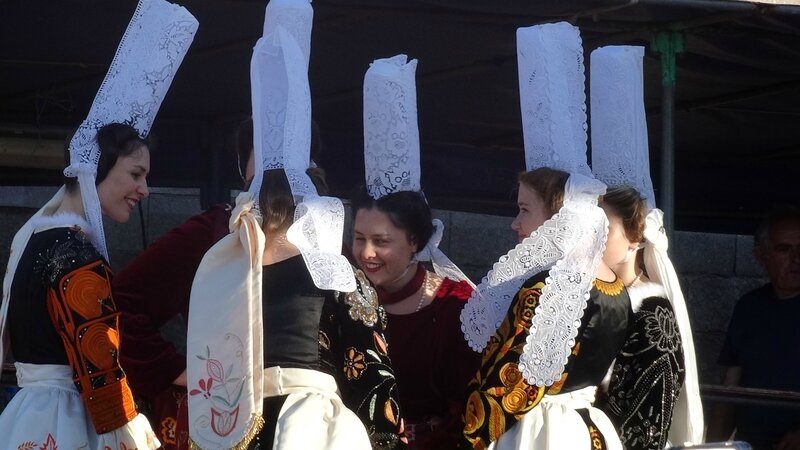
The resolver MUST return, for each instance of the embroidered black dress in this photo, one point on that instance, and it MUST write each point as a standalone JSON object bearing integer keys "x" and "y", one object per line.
{"x": 326, "y": 331}
{"x": 647, "y": 376}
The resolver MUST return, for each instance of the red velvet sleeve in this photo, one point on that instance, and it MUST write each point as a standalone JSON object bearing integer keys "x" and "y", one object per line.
{"x": 153, "y": 289}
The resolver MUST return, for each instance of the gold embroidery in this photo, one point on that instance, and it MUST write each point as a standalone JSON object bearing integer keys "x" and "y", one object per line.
{"x": 363, "y": 301}
{"x": 613, "y": 288}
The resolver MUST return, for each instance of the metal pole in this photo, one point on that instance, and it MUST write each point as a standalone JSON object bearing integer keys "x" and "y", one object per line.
{"x": 668, "y": 44}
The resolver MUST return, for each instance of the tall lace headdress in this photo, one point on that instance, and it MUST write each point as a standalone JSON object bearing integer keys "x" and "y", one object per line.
{"x": 571, "y": 243}
{"x": 152, "y": 48}
{"x": 225, "y": 333}
{"x": 620, "y": 157}
{"x": 391, "y": 145}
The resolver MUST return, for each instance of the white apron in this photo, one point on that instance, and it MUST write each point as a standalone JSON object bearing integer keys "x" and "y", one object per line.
{"x": 48, "y": 412}
{"x": 313, "y": 415}
{"x": 555, "y": 424}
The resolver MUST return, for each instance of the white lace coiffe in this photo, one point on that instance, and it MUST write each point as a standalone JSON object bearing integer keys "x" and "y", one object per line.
{"x": 152, "y": 48}
{"x": 620, "y": 157}
{"x": 391, "y": 145}
{"x": 571, "y": 243}
{"x": 281, "y": 100}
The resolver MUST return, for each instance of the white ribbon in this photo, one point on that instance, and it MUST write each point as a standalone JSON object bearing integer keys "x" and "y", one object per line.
{"x": 687, "y": 417}
{"x": 442, "y": 265}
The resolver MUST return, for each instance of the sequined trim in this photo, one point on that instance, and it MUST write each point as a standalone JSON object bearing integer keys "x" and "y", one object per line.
{"x": 613, "y": 288}
{"x": 363, "y": 301}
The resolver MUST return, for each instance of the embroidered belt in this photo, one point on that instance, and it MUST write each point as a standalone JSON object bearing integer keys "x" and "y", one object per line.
{"x": 282, "y": 381}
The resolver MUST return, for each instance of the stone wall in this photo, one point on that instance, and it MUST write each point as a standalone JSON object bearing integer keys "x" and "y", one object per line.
{"x": 715, "y": 269}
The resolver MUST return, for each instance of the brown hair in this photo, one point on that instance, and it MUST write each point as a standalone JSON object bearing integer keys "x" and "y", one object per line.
{"x": 627, "y": 204}
{"x": 115, "y": 140}
{"x": 548, "y": 183}
{"x": 276, "y": 201}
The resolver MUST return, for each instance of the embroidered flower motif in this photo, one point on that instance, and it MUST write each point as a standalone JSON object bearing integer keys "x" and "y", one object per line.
{"x": 661, "y": 330}
{"x": 363, "y": 301}
{"x": 205, "y": 388}
{"x": 26, "y": 446}
{"x": 50, "y": 443}
{"x": 168, "y": 426}
{"x": 215, "y": 370}
{"x": 354, "y": 364}
{"x": 380, "y": 343}
{"x": 223, "y": 422}
{"x": 514, "y": 401}
{"x": 528, "y": 301}
{"x": 474, "y": 413}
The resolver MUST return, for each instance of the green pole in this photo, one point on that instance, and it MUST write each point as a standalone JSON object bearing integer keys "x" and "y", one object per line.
{"x": 667, "y": 44}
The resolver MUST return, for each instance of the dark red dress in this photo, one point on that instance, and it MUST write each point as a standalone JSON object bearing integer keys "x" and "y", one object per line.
{"x": 433, "y": 365}
{"x": 150, "y": 291}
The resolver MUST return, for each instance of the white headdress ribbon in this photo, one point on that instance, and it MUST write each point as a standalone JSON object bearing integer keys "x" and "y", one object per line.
{"x": 620, "y": 157}
{"x": 224, "y": 339}
{"x": 152, "y": 48}
{"x": 569, "y": 244}
{"x": 442, "y": 265}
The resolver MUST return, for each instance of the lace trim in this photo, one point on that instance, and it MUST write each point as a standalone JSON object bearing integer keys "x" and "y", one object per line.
{"x": 256, "y": 425}
{"x": 564, "y": 296}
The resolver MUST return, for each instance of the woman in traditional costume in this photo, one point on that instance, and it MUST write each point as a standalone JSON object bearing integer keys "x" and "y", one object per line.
{"x": 652, "y": 396}
{"x": 58, "y": 310}
{"x": 551, "y": 316}
{"x": 393, "y": 233}
{"x": 285, "y": 348}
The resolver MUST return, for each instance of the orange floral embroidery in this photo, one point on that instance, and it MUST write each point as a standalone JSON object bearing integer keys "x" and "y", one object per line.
{"x": 380, "y": 344}
{"x": 528, "y": 301}
{"x": 497, "y": 420}
{"x": 391, "y": 411}
{"x": 99, "y": 344}
{"x": 354, "y": 364}
{"x": 168, "y": 426}
{"x": 85, "y": 292}
{"x": 474, "y": 414}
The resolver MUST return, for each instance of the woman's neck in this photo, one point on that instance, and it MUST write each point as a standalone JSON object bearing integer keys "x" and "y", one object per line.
{"x": 71, "y": 204}
{"x": 628, "y": 271}
{"x": 277, "y": 248}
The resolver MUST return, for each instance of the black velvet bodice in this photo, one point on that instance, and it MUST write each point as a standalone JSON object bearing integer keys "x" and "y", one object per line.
{"x": 299, "y": 319}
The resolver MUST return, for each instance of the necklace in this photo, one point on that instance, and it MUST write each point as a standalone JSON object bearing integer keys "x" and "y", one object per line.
{"x": 422, "y": 295}
{"x": 387, "y": 298}
{"x": 636, "y": 280}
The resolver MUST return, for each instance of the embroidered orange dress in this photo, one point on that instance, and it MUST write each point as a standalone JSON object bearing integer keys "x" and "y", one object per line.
{"x": 63, "y": 329}
{"x": 500, "y": 397}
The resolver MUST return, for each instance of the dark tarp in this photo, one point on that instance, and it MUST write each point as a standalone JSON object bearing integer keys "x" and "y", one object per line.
{"x": 737, "y": 126}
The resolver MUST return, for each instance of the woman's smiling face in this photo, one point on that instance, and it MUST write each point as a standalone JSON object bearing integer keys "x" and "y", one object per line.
{"x": 383, "y": 250}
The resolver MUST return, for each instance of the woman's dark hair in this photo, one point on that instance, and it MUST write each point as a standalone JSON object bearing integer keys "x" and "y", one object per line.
{"x": 276, "y": 201}
{"x": 115, "y": 140}
{"x": 244, "y": 144}
{"x": 548, "y": 183}
{"x": 407, "y": 210}
{"x": 627, "y": 204}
